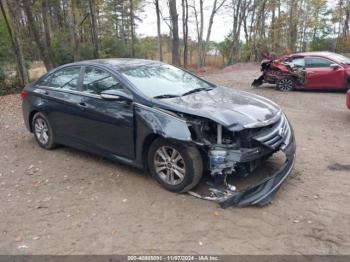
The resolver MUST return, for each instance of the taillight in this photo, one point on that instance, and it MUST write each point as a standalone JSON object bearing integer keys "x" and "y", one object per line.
{"x": 348, "y": 99}
{"x": 24, "y": 94}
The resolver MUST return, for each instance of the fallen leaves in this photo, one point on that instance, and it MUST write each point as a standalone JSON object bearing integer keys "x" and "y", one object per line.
{"x": 22, "y": 247}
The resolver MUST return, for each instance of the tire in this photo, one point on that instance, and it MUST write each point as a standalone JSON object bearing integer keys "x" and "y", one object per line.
{"x": 188, "y": 163}
{"x": 285, "y": 84}
{"x": 42, "y": 131}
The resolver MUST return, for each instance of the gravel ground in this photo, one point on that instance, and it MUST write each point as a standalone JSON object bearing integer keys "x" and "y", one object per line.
{"x": 69, "y": 202}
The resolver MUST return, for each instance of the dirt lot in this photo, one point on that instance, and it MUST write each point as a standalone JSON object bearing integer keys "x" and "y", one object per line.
{"x": 69, "y": 202}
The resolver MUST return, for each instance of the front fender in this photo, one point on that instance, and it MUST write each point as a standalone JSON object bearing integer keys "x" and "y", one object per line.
{"x": 152, "y": 122}
{"x": 157, "y": 121}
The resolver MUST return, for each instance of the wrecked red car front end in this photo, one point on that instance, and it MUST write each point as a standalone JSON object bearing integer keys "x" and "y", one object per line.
{"x": 276, "y": 71}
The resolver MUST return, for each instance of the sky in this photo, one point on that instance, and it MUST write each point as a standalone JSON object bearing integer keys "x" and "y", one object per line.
{"x": 148, "y": 25}
{"x": 221, "y": 27}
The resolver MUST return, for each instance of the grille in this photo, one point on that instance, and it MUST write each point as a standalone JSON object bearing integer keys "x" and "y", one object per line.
{"x": 274, "y": 136}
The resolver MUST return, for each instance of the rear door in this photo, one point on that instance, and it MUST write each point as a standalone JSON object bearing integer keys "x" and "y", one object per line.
{"x": 320, "y": 74}
{"x": 61, "y": 99}
{"x": 108, "y": 125}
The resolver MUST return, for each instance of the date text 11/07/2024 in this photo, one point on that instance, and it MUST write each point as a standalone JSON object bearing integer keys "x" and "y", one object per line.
{"x": 174, "y": 258}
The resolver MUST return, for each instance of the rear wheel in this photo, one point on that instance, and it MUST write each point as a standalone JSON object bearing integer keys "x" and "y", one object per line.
{"x": 285, "y": 84}
{"x": 42, "y": 131}
{"x": 176, "y": 167}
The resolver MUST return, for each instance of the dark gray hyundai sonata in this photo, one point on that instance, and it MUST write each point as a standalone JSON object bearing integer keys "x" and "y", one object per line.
{"x": 157, "y": 117}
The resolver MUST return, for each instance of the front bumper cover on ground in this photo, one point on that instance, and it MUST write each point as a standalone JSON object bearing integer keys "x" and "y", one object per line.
{"x": 262, "y": 193}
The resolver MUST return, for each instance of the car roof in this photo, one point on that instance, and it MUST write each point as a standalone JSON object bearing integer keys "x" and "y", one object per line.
{"x": 322, "y": 53}
{"x": 118, "y": 63}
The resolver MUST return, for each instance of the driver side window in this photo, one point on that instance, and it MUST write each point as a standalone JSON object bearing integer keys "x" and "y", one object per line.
{"x": 96, "y": 81}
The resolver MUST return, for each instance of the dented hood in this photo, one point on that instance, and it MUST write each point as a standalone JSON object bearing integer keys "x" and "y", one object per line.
{"x": 231, "y": 108}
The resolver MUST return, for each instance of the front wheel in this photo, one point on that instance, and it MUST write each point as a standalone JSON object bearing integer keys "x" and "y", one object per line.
{"x": 176, "y": 167}
{"x": 285, "y": 84}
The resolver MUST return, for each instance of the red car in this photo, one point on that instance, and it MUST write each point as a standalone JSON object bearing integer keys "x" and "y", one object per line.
{"x": 348, "y": 99}
{"x": 311, "y": 70}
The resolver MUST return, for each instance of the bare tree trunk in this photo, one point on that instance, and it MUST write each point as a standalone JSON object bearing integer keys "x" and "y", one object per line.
{"x": 75, "y": 32}
{"x": 44, "y": 53}
{"x": 346, "y": 20}
{"x": 236, "y": 29}
{"x": 175, "y": 32}
{"x": 116, "y": 19}
{"x": 185, "y": 30}
{"x": 273, "y": 25}
{"x": 46, "y": 25}
{"x": 293, "y": 27}
{"x": 160, "y": 51}
{"x": 201, "y": 29}
{"x": 132, "y": 28}
{"x": 94, "y": 34}
{"x": 16, "y": 45}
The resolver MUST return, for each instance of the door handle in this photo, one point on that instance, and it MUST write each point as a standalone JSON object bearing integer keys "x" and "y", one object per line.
{"x": 82, "y": 105}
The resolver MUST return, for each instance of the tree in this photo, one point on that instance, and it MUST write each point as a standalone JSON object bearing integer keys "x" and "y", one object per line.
{"x": 185, "y": 31}
{"x": 46, "y": 26}
{"x": 75, "y": 30}
{"x": 293, "y": 24}
{"x": 200, "y": 28}
{"x": 160, "y": 47}
{"x": 16, "y": 46}
{"x": 94, "y": 33}
{"x": 42, "y": 48}
{"x": 214, "y": 10}
{"x": 132, "y": 27}
{"x": 175, "y": 32}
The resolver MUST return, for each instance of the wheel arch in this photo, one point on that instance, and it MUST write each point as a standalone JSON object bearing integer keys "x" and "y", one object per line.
{"x": 30, "y": 119}
{"x": 146, "y": 146}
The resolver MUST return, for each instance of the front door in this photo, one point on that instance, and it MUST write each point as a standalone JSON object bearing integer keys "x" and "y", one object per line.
{"x": 108, "y": 125}
{"x": 320, "y": 74}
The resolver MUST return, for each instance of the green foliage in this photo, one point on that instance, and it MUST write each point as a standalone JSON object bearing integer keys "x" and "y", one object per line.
{"x": 322, "y": 44}
{"x": 343, "y": 45}
{"x": 62, "y": 49}
{"x": 2, "y": 75}
{"x": 6, "y": 55}
{"x": 113, "y": 47}
{"x": 146, "y": 48}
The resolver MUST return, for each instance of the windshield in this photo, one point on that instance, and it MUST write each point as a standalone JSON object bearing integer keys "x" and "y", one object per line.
{"x": 340, "y": 58}
{"x": 164, "y": 80}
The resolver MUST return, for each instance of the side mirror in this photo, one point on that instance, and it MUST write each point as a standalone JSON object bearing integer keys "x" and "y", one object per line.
{"x": 334, "y": 66}
{"x": 116, "y": 95}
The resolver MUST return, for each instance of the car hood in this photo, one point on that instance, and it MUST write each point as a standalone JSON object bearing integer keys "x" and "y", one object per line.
{"x": 233, "y": 109}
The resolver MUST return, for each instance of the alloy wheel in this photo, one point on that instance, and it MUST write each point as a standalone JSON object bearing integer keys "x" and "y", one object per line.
{"x": 286, "y": 84}
{"x": 169, "y": 165}
{"x": 41, "y": 131}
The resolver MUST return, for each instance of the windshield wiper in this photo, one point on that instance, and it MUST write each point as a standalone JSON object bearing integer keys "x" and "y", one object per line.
{"x": 165, "y": 96}
{"x": 197, "y": 90}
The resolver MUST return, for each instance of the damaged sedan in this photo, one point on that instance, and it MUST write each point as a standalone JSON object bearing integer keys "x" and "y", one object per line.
{"x": 310, "y": 70}
{"x": 189, "y": 133}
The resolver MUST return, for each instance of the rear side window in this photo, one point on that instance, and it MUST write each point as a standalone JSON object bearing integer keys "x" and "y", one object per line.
{"x": 96, "y": 81}
{"x": 67, "y": 78}
{"x": 317, "y": 62}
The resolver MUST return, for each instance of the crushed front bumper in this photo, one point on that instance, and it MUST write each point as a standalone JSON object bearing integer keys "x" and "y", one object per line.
{"x": 261, "y": 193}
